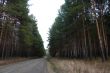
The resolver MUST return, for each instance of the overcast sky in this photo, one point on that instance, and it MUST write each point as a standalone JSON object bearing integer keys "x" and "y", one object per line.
{"x": 45, "y": 12}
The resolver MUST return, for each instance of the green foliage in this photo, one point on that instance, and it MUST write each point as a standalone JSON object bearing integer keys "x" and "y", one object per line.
{"x": 29, "y": 39}
{"x": 74, "y": 31}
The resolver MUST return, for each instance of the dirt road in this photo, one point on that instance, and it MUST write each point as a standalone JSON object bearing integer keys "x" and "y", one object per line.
{"x": 30, "y": 66}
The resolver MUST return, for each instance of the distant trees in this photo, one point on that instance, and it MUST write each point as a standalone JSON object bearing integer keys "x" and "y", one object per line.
{"x": 19, "y": 35}
{"x": 81, "y": 30}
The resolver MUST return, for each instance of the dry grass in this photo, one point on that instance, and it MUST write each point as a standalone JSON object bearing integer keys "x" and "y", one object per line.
{"x": 50, "y": 70}
{"x": 80, "y": 66}
{"x": 13, "y": 60}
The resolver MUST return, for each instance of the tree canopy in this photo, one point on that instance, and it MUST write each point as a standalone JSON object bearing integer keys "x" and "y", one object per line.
{"x": 18, "y": 31}
{"x": 81, "y": 30}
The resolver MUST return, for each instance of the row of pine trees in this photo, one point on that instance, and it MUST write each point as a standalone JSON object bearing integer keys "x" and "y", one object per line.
{"x": 19, "y": 35}
{"x": 81, "y": 30}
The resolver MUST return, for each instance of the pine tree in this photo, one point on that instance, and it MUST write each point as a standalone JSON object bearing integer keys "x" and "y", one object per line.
{"x": 84, "y": 30}
{"x": 18, "y": 31}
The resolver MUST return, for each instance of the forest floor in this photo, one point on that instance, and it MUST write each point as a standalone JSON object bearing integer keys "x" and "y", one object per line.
{"x": 12, "y": 60}
{"x": 79, "y": 66}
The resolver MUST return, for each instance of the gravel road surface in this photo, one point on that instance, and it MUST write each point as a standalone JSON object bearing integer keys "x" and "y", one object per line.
{"x": 30, "y": 66}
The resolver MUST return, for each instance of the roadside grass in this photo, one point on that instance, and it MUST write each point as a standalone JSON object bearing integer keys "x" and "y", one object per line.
{"x": 79, "y": 66}
{"x": 50, "y": 68}
{"x": 12, "y": 60}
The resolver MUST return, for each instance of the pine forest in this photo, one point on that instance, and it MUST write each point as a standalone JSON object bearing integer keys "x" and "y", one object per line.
{"x": 81, "y": 30}
{"x": 19, "y": 35}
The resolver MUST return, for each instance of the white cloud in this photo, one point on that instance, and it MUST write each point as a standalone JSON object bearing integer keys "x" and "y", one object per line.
{"x": 45, "y": 12}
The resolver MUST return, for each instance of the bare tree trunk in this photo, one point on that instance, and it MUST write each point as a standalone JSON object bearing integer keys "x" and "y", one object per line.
{"x": 2, "y": 29}
{"x": 99, "y": 32}
{"x": 100, "y": 41}
{"x": 13, "y": 41}
{"x": 85, "y": 38}
{"x": 104, "y": 35}
{"x": 4, "y": 45}
{"x": 90, "y": 44}
{"x": 84, "y": 30}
